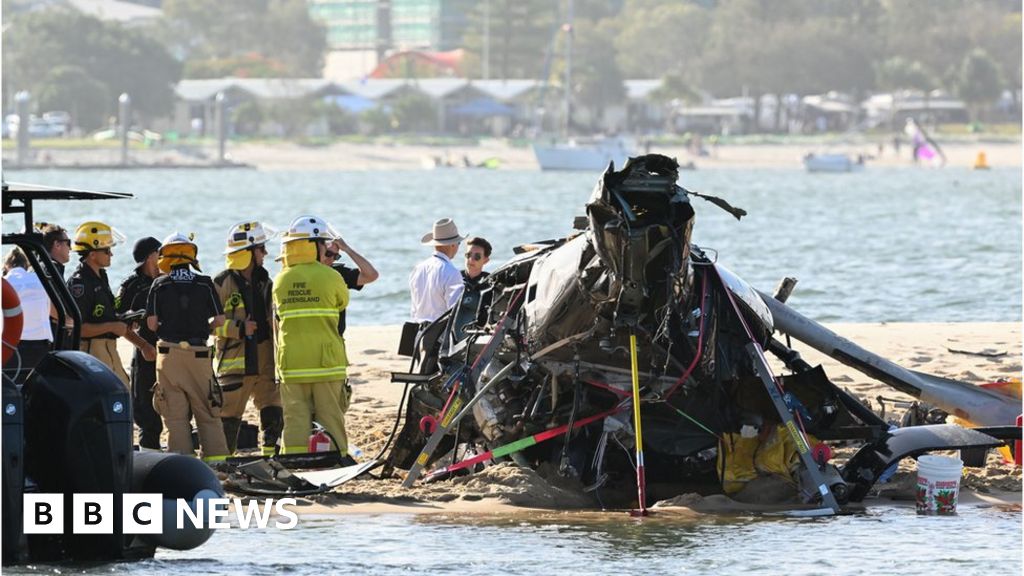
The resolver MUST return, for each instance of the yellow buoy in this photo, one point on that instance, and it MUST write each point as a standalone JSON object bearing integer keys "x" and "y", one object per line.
{"x": 980, "y": 162}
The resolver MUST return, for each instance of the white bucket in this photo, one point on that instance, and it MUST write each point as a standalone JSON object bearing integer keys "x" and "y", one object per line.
{"x": 938, "y": 484}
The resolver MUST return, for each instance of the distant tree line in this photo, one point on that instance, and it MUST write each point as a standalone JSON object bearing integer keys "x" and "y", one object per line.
{"x": 70, "y": 61}
{"x": 74, "y": 62}
{"x": 731, "y": 47}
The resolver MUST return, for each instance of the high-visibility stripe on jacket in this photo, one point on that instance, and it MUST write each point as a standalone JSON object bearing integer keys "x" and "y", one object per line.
{"x": 229, "y": 358}
{"x": 308, "y": 299}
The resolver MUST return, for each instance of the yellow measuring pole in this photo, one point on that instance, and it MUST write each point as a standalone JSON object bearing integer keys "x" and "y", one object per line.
{"x": 641, "y": 481}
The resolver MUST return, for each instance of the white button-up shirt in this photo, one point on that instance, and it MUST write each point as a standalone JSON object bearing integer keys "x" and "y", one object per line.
{"x": 35, "y": 304}
{"x": 435, "y": 285}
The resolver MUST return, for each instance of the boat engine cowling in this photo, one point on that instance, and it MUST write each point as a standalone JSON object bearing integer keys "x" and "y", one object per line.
{"x": 78, "y": 440}
{"x": 175, "y": 477}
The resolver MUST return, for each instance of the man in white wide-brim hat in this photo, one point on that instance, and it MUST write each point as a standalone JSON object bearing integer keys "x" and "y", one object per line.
{"x": 435, "y": 283}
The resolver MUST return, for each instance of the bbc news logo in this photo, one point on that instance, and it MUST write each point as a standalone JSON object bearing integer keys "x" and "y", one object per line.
{"x": 144, "y": 513}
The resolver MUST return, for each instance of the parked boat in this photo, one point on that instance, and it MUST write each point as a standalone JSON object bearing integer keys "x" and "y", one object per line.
{"x": 577, "y": 154}
{"x": 570, "y": 152}
{"x": 833, "y": 163}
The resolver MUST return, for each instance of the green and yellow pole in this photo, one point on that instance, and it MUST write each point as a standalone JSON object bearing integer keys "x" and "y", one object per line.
{"x": 641, "y": 480}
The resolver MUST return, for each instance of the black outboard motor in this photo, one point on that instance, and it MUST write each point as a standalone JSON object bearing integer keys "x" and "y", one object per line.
{"x": 78, "y": 439}
{"x": 13, "y": 471}
{"x": 176, "y": 477}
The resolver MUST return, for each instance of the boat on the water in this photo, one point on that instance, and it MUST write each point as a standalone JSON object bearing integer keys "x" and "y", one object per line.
{"x": 580, "y": 154}
{"x": 67, "y": 431}
{"x": 833, "y": 163}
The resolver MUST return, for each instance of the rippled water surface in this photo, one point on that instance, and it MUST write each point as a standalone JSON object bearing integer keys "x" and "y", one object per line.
{"x": 881, "y": 245}
{"x": 896, "y": 244}
{"x": 884, "y": 540}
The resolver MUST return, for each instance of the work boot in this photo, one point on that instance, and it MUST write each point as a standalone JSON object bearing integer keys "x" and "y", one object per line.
{"x": 231, "y": 426}
{"x": 271, "y": 424}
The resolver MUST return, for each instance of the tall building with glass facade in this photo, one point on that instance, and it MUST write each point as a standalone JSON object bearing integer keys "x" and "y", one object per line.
{"x": 392, "y": 24}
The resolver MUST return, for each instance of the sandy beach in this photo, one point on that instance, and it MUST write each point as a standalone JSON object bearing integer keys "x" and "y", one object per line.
{"x": 346, "y": 156}
{"x": 383, "y": 156}
{"x": 972, "y": 352}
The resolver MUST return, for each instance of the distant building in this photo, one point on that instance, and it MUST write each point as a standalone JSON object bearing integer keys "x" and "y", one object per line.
{"x": 894, "y": 108}
{"x": 379, "y": 27}
{"x": 126, "y": 12}
{"x": 421, "y": 64}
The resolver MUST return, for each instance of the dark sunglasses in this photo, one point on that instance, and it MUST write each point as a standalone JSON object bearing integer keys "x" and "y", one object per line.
{"x": 260, "y": 248}
{"x": 65, "y": 241}
{"x": 474, "y": 256}
{"x": 332, "y": 255}
{"x": 106, "y": 251}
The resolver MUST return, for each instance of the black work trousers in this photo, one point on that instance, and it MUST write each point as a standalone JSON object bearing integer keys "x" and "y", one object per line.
{"x": 149, "y": 422}
{"x": 30, "y": 353}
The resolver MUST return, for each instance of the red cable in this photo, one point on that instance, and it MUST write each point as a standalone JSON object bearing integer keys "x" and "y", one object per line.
{"x": 700, "y": 339}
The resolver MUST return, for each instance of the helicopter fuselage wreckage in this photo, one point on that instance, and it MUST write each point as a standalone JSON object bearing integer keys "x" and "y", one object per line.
{"x": 546, "y": 365}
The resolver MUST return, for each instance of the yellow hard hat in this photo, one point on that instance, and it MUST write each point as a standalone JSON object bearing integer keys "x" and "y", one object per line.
{"x": 95, "y": 235}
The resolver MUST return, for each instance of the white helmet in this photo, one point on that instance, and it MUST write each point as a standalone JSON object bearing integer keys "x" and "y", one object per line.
{"x": 248, "y": 234}
{"x": 178, "y": 238}
{"x": 309, "y": 228}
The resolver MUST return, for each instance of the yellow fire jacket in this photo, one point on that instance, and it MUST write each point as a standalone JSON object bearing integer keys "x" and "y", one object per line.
{"x": 229, "y": 359}
{"x": 308, "y": 298}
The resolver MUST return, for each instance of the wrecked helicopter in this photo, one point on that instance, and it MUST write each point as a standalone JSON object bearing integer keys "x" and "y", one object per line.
{"x": 625, "y": 357}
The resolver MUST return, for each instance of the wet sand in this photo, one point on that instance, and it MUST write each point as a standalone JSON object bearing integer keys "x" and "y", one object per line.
{"x": 970, "y": 352}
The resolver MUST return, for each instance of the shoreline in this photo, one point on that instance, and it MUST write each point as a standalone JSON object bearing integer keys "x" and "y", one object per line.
{"x": 285, "y": 156}
{"x": 935, "y": 348}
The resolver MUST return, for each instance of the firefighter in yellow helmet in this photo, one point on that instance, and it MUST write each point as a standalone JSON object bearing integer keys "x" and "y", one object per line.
{"x": 182, "y": 309}
{"x": 244, "y": 355}
{"x": 311, "y": 360}
{"x": 90, "y": 289}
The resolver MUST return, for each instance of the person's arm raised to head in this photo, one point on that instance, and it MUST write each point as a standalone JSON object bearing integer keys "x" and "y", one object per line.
{"x": 367, "y": 273}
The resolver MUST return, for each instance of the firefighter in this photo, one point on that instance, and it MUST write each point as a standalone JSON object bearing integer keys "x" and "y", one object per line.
{"x": 311, "y": 361}
{"x": 90, "y": 289}
{"x": 131, "y": 297}
{"x": 182, "y": 309}
{"x": 244, "y": 357}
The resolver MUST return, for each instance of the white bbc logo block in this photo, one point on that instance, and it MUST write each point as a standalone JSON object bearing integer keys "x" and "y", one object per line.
{"x": 93, "y": 514}
{"x": 142, "y": 514}
{"x": 43, "y": 514}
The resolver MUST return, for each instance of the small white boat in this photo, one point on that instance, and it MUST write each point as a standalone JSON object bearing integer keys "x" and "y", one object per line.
{"x": 592, "y": 155}
{"x": 833, "y": 163}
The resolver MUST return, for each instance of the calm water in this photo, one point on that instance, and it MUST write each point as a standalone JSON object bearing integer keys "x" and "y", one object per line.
{"x": 885, "y": 540}
{"x": 880, "y": 245}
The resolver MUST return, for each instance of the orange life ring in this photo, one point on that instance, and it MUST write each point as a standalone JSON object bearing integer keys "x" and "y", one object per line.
{"x": 14, "y": 320}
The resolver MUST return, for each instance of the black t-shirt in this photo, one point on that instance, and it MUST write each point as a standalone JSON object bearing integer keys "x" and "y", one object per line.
{"x": 473, "y": 283}
{"x": 184, "y": 302}
{"x": 131, "y": 297}
{"x": 92, "y": 295}
{"x": 260, "y": 303}
{"x": 351, "y": 277}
